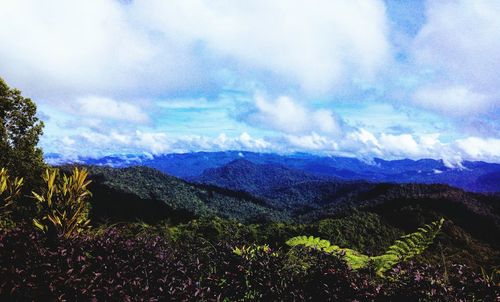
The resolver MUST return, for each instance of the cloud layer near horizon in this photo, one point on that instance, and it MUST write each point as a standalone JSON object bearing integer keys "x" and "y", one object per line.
{"x": 353, "y": 78}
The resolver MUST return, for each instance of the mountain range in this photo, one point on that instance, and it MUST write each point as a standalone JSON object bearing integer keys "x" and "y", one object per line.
{"x": 305, "y": 190}
{"x": 470, "y": 176}
{"x": 253, "y": 193}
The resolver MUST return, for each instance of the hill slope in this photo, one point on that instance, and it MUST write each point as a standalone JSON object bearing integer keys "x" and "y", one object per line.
{"x": 147, "y": 194}
{"x": 473, "y": 220}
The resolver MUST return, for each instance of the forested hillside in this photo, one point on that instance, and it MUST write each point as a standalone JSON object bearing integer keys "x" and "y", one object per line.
{"x": 131, "y": 194}
{"x": 141, "y": 193}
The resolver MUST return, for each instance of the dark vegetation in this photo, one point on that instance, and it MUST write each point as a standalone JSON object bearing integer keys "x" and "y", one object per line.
{"x": 147, "y": 194}
{"x": 236, "y": 234}
{"x": 127, "y": 263}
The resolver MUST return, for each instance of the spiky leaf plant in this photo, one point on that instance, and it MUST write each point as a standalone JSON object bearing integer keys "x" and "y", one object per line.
{"x": 250, "y": 251}
{"x": 407, "y": 247}
{"x": 10, "y": 189}
{"x": 63, "y": 202}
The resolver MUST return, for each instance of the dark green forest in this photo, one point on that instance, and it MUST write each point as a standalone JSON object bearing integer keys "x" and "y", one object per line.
{"x": 248, "y": 233}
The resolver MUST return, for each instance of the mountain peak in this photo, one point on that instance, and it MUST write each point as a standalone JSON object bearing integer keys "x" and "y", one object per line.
{"x": 242, "y": 174}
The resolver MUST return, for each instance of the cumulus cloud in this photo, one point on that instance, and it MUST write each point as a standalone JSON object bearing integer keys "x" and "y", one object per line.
{"x": 310, "y": 142}
{"x": 92, "y": 63}
{"x": 454, "y": 100}
{"x": 118, "y": 47}
{"x": 96, "y": 144}
{"x": 359, "y": 143}
{"x": 364, "y": 144}
{"x": 107, "y": 108}
{"x": 460, "y": 41}
{"x": 289, "y": 116}
{"x": 312, "y": 45}
{"x": 487, "y": 149}
{"x": 58, "y": 48}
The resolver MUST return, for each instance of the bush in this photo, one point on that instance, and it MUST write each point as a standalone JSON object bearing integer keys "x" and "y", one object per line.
{"x": 414, "y": 282}
{"x": 114, "y": 264}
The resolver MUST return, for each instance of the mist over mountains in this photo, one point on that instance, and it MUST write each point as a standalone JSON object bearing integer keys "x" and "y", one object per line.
{"x": 474, "y": 176}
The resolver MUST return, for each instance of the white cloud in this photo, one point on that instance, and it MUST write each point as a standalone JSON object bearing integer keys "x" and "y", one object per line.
{"x": 149, "y": 47}
{"x": 287, "y": 115}
{"x": 460, "y": 41}
{"x": 363, "y": 144}
{"x": 359, "y": 143}
{"x": 476, "y": 148}
{"x": 95, "y": 144}
{"x": 314, "y": 45}
{"x": 400, "y": 145}
{"x": 109, "y": 109}
{"x": 97, "y": 56}
{"x": 452, "y": 100}
{"x": 311, "y": 142}
{"x": 78, "y": 47}
{"x": 91, "y": 142}
{"x": 247, "y": 142}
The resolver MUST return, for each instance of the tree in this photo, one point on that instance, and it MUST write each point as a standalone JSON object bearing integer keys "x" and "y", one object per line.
{"x": 20, "y": 130}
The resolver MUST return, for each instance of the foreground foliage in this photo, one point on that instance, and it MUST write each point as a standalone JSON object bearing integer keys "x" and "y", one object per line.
{"x": 62, "y": 203}
{"x": 10, "y": 189}
{"x": 123, "y": 263}
{"x": 407, "y": 247}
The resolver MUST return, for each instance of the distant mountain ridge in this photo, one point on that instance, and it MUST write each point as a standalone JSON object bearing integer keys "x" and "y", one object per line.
{"x": 244, "y": 175}
{"x": 472, "y": 176}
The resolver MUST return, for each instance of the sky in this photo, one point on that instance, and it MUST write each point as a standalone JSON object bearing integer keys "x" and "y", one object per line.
{"x": 359, "y": 78}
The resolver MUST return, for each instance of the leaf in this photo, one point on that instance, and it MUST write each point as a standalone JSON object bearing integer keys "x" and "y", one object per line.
{"x": 404, "y": 248}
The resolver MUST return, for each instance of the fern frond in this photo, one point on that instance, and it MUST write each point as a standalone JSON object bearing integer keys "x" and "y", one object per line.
{"x": 406, "y": 247}
{"x": 312, "y": 242}
{"x": 353, "y": 258}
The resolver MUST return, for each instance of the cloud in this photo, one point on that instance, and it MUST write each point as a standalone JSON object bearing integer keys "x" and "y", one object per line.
{"x": 97, "y": 144}
{"x": 92, "y": 65}
{"x": 460, "y": 42}
{"x": 359, "y": 143}
{"x": 59, "y": 48}
{"x": 314, "y": 46}
{"x": 366, "y": 145}
{"x": 476, "y": 148}
{"x": 287, "y": 115}
{"x": 109, "y": 109}
{"x": 453, "y": 100}
{"x": 310, "y": 142}
{"x": 151, "y": 47}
